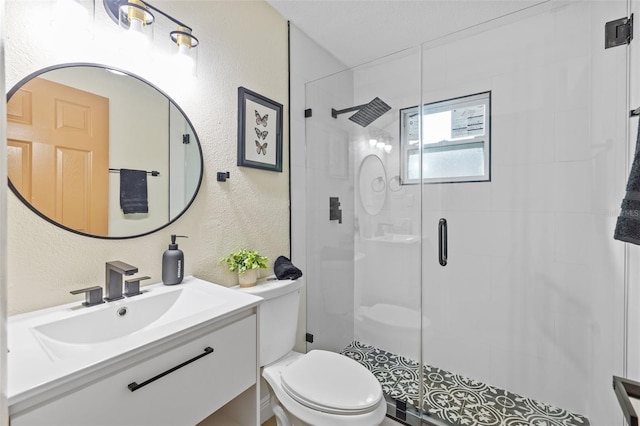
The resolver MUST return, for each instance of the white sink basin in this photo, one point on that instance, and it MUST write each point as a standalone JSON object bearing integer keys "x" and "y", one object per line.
{"x": 109, "y": 321}
{"x": 48, "y": 346}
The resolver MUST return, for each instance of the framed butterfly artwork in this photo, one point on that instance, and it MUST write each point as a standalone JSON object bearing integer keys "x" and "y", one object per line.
{"x": 259, "y": 131}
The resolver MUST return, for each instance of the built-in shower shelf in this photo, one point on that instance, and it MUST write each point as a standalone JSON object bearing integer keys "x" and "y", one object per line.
{"x": 454, "y": 399}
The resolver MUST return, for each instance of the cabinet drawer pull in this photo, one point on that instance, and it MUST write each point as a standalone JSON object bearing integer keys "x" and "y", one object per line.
{"x": 133, "y": 386}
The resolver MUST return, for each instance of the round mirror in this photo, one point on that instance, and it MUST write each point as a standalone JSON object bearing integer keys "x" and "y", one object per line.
{"x": 100, "y": 152}
{"x": 372, "y": 183}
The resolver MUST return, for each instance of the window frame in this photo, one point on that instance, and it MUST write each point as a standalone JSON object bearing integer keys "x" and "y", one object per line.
{"x": 440, "y": 106}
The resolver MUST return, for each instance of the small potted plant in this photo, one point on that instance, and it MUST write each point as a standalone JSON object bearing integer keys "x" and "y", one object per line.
{"x": 246, "y": 263}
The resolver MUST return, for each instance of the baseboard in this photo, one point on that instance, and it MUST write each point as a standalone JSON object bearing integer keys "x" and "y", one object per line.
{"x": 265, "y": 409}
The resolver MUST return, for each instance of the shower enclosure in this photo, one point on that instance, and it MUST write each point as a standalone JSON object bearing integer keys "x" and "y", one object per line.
{"x": 460, "y": 244}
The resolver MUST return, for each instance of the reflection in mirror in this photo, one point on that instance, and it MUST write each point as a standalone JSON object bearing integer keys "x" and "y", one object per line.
{"x": 71, "y": 129}
{"x": 372, "y": 184}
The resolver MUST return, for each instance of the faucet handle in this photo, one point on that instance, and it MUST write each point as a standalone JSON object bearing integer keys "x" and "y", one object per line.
{"x": 93, "y": 295}
{"x": 132, "y": 286}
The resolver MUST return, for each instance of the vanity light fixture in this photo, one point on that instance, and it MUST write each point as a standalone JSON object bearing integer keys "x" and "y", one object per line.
{"x": 134, "y": 15}
{"x": 137, "y": 16}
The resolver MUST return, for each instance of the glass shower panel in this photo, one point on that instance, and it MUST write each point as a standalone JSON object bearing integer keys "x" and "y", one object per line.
{"x": 524, "y": 322}
{"x": 330, "y": 215}
{"x": 363, "y": 233}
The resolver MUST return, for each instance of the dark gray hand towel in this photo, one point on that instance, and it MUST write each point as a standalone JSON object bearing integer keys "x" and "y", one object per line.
{"x": 133, "y": 191}
{"x": 285, "y": 270}
{"x": 628, "y": 225}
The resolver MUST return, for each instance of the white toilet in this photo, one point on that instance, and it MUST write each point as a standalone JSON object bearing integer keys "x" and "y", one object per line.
{"x": 320, "y": 388}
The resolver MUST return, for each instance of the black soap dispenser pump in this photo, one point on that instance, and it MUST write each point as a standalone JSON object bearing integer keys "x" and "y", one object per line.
{"x": 173, "y": 263}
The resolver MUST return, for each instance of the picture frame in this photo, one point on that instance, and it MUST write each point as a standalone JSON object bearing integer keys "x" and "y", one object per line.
{"x": 259, "y": 131}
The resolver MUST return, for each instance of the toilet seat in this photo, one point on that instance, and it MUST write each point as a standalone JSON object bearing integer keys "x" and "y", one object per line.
{"x": 331, "y": 383}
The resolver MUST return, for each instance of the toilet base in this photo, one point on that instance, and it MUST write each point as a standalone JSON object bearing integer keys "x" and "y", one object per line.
{"x": 289, "y": 412}
{"x": 282, "y": 419}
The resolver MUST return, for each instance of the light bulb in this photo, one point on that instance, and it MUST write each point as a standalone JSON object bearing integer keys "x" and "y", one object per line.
{"x": 380, "y": 145}
{"x": 372, "y": 142}
{"x": 187, "y": 55}
{"x": 387, "y": 148}
{"x": 184, "y": 62}
{"x": 135, "y": 25}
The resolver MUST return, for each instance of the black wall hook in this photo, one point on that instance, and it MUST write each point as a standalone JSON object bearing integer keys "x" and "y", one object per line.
{"x": 223, "y": 176}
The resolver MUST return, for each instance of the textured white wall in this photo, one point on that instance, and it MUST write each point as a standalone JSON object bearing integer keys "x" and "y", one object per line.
{"x": 242, "y": 44}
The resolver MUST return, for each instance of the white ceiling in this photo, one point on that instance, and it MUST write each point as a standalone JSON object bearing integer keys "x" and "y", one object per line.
{"x": 357, "y": 31}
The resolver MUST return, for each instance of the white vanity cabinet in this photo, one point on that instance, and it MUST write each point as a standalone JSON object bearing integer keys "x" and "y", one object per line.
{"x": 183, "y": 392}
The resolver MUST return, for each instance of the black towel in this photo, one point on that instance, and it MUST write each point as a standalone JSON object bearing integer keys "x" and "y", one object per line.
{"x": 285, "y": 270}
{"x": 628, "y": 225}
{"x": 133, "y": 191}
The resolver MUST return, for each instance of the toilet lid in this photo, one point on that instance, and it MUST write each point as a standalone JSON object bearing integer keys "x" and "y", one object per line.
{"x": 332, "y": 383}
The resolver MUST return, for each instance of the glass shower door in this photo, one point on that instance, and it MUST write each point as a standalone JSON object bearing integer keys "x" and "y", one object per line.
{"x": 363, "y": 222}
{"x": 508, "y": 311}
{"x": 522, "y": 325}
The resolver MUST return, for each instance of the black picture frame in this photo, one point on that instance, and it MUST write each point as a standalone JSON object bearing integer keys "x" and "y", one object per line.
{"x": 259, "y": 131}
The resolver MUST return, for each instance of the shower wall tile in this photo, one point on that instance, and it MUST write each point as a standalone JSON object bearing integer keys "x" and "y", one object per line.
{"x": 572, "y": 84}
{"x": 576, "y": 26}
{"x": 469, "y": 232}
{"x": 531, "y": 238}
{"x": 501, "y": 243}
{"x": 471, "y": 286}
{"x": 466, "y": 196}
{"x": 522, "y": 138}
{"x": 526, "y": 187}
{"x": 578, "y": 284}
{"x": 573, "y": 370}
{"x": 511, "y": 96}
{"x": 574, "y": 131}
{"x": 574, "y": 183}
{"x": 573, "y": 237}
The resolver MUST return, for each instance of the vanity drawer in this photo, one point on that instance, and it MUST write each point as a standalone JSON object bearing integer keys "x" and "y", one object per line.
{"x": 203, "y": 382}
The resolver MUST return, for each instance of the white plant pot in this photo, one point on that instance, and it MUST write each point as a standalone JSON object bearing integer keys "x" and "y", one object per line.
{"x": 248, "y": 279}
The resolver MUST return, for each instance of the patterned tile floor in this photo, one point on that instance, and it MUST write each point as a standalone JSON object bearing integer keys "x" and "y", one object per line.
{"x": 453, "y": 398}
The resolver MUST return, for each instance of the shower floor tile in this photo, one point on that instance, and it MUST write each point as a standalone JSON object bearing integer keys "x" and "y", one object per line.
{"x": 455, "y": 399}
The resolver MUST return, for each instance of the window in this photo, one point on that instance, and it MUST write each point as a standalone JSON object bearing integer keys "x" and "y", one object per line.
{"x": 455, "y": 140}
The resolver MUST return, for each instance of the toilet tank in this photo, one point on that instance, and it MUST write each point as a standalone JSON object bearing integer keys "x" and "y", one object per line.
{"x": 278, "y": 316}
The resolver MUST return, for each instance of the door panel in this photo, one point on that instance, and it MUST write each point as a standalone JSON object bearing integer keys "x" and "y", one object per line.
{"x": 19, "y": 166}
{"x": 67, "y": 164}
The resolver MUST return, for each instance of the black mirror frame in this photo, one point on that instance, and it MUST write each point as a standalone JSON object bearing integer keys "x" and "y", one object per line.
{"x": 23, "y": 81}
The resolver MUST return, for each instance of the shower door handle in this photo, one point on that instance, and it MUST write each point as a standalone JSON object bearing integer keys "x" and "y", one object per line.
{"x": 442, "y": 242}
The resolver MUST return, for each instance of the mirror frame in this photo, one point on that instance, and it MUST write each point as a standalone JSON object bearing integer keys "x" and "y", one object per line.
{"x": 37, "y": 73}
{"x": 360, "y": 196}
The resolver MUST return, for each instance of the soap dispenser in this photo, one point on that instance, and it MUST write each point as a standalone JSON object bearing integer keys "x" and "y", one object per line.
{"x": 173, "y": 263}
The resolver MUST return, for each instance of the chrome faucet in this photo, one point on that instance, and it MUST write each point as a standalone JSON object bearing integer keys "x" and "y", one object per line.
{"x": 113, "y": 279}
